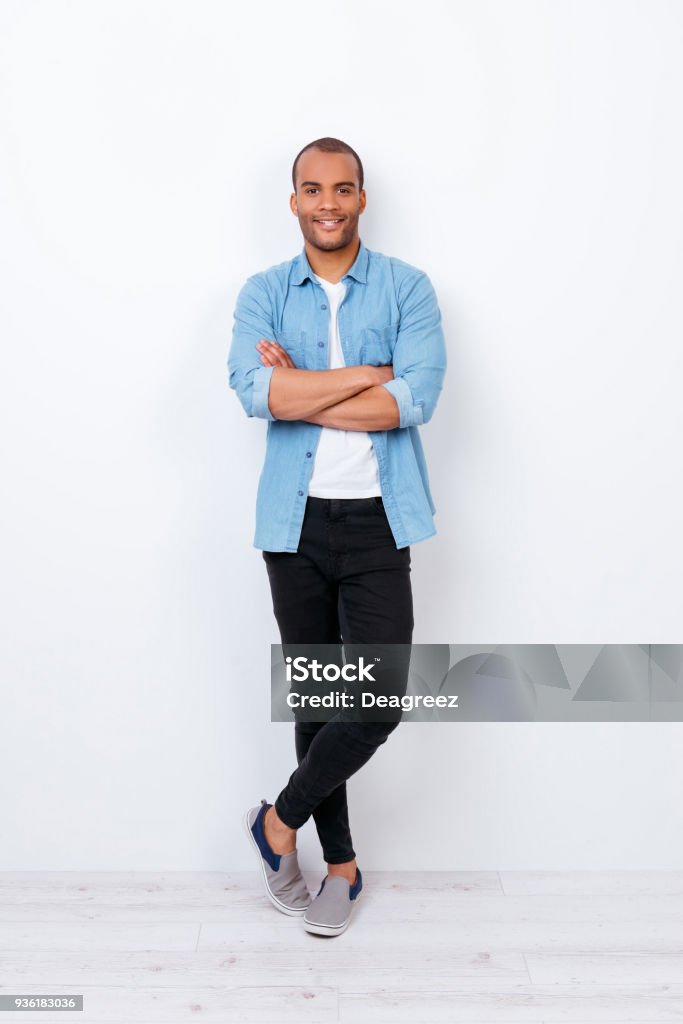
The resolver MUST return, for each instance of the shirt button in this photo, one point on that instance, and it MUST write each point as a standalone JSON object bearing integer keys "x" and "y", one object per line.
{"x": 308, "y": 455}
{"x": 299, "y": 493}
{"x": 323, "y": 306}
{"x": 321, "y": 344}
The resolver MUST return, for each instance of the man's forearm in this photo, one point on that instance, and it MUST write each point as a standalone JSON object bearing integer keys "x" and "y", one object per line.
{"x": 297, "y": 394}
{"x": 372, "y": 409}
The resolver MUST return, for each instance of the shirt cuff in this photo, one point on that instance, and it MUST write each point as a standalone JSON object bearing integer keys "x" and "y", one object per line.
{"x": 410, "y": 412}
{"x": 259, "y": 393}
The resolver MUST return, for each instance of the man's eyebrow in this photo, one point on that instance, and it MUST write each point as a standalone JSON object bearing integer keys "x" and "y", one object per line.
{"x": 337, "y": 184}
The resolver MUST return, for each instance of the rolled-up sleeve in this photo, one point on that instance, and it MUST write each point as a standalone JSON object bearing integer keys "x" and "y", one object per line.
{"x": 247, "y": 375}
{"x": 419, "y": 358}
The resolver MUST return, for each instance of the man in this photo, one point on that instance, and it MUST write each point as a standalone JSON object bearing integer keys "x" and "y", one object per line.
{"x": 341, "y": 350}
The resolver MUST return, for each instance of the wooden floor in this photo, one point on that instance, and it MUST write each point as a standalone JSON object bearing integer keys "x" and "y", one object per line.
{"x": 421, "y": 947}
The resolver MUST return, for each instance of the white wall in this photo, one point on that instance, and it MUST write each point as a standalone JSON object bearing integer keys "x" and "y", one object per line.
{"x": 527, "y": 156}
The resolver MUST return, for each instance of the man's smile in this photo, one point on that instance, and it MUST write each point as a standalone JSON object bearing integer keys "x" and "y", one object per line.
{"x": 329, "y": 224}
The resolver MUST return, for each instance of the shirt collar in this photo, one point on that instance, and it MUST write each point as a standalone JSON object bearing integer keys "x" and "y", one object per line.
{"x": 301, "y": 268}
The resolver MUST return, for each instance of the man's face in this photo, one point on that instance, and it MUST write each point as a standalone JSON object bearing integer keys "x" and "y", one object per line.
{"x": 327, "y": 200}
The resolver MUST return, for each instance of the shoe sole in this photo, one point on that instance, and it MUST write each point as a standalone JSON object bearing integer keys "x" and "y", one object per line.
{"x": 278, "y": 904}
{"x": 329, "y": 929}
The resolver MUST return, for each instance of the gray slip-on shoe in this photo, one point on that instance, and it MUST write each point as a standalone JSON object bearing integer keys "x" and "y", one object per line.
{"x": 285, "y": 885}
{"x": 330, "y": 911}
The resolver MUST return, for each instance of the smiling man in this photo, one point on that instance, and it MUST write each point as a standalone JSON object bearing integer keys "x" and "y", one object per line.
{"x": 341, "y": 350}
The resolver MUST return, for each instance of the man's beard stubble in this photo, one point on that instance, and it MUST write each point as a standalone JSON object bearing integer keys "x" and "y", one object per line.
{"x": 347, "y": 234}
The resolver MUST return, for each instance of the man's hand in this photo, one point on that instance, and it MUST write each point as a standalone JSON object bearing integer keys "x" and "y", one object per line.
{"x": 273, "y": 354}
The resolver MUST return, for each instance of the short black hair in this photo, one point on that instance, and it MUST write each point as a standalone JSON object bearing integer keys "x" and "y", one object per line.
{"x": 328, "y": 145}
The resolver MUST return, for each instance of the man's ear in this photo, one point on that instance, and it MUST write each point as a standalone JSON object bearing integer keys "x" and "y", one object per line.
{"x": 292, "y": 204}
{"x": 361, "y": 200}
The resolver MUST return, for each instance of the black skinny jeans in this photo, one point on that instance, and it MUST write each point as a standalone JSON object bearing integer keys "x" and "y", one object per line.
{"x": 347, "y": 583}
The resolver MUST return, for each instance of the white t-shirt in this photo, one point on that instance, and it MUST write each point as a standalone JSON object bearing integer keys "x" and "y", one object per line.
{"x": 345, "y": 463}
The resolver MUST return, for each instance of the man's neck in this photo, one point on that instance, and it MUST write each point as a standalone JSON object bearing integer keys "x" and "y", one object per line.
{"x": 333, "y": 265}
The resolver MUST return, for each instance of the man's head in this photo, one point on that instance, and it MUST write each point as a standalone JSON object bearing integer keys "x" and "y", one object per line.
{"x": 328, "y": 195}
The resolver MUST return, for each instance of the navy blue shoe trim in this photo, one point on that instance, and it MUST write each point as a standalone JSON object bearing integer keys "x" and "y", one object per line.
{"x": 353, "y": 890}
{"x": 257, "y": 831}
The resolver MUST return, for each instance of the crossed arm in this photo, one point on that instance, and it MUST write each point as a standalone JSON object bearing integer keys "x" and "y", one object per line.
{"x": 365, "y": 397}
{"x": 348, "y": 398}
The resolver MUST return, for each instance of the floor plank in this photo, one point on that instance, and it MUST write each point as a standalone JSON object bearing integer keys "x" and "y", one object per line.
{"x": 591, "y": 883}
{"x": 545, "y": 1005}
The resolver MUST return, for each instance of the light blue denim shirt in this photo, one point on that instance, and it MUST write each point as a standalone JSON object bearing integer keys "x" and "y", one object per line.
{"x": 389, "y": 314}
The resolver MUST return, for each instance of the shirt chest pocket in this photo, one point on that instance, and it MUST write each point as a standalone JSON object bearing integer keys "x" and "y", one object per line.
{"x": 377, "y": 344}
{"x": 294, "y": 343}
